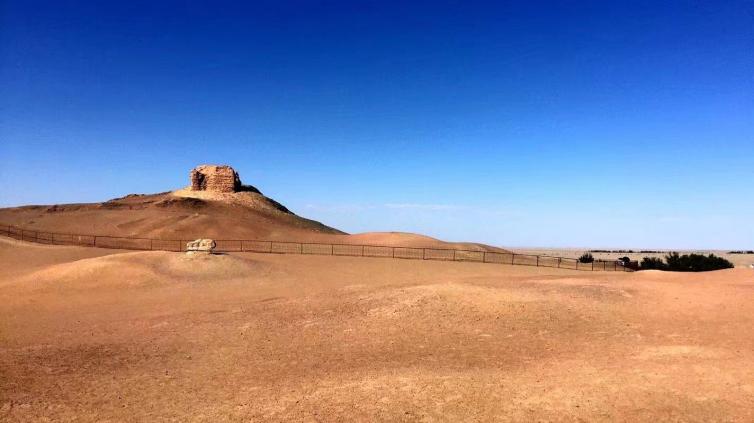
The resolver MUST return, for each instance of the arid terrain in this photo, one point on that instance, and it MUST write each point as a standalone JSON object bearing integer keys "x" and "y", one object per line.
{"x": 90, "y": 334}
{"x": 184, "y": 214}
{"x": 104, "y": 335}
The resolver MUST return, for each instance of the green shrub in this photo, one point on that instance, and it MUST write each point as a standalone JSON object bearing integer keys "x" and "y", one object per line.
{"x": 648, "y": 263}
{"x": 686, "y": 263}
{"x": 696, "y": 262}
{"x": 586, "y": 258}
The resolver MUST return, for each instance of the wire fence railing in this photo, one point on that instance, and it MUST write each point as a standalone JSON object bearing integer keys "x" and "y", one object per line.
{"x": 311, "y": 248}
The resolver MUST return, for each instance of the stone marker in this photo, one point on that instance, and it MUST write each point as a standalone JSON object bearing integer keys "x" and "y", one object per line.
{"x": 201, "y": 246}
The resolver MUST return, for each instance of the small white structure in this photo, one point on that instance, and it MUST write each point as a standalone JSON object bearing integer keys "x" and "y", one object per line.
{"x": 206, "y": 246}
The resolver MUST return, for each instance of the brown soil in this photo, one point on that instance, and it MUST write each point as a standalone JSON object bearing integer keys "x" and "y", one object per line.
{"x": 103, "y": 335}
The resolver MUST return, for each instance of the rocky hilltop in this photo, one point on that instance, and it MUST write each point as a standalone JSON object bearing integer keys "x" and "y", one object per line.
{"x": 215, "y": 204}
{"x": 221, "y": 183}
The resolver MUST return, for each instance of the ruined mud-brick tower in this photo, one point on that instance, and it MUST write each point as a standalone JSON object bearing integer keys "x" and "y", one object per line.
{"x": 215, "y": 178}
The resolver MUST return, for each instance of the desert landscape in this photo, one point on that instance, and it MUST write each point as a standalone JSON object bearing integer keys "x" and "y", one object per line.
{"x": 390, "y": 211}
{"x": 95, "y": 334}
{"x": 106, "y": 335}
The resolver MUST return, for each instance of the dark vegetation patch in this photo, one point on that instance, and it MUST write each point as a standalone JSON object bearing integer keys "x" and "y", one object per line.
{"x": 649, "y": 263}
{"x": 626, "y": 251}
{"x": 686, "y": 263}
{"x": 586, "y": 258}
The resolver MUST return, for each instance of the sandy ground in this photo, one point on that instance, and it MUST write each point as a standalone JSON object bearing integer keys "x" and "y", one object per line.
{"x": 103, "y": 335}
{"x": 738, "y": 260}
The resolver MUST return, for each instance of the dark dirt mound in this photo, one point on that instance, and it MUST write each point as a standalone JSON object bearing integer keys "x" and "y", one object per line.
{"x": 186, "y": 203}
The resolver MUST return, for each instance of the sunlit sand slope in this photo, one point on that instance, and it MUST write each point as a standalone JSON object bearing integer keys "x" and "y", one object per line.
{"x": 89, "y": 335}
{"x": 185, "y": 214}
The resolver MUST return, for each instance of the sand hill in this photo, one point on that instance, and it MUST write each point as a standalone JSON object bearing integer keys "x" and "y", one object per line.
{"x": 215, "y": 204}
{"x": 89, "y": 334}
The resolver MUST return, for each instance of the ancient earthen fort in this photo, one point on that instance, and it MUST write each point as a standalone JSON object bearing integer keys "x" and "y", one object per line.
{"x": 215, "y": 178}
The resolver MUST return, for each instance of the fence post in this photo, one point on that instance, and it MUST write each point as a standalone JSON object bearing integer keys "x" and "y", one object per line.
{"x": 513, "y": 258}
{"x": 424, "y": 253}
{"x": 454, "y": 255}
{"x": 592, "y": 265}
{"x": 484, "y": 257}
{"x": 95, "y": 240}
{"x": 537, "y": 261}
{"x": 559, "y": 258}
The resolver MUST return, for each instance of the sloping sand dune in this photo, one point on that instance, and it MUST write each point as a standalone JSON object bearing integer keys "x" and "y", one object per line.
{"x": 135, "y": 269}
{"x": 96, "y": 335}
{"x": 185, "y": 214}
{"x": 405, "y": 239}
{"x": 246, "y": 215}
{"x": 20, "y": 258}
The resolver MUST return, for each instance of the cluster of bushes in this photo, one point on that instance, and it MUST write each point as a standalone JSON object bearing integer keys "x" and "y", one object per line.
{"x": 673, "y": 262}
{"x": 741, "y": 252}
{"x": 650, "y": 263}
{"x": 686, "y": 263}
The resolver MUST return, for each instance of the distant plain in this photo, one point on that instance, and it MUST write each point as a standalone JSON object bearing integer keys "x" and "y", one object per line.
{"x": 738, "y": 260}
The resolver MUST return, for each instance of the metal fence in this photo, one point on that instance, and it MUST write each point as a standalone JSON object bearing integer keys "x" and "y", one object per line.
{"x": 283, "y": 247}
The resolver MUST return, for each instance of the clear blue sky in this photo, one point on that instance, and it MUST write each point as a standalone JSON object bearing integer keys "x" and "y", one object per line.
{"x": 599, "y": 124}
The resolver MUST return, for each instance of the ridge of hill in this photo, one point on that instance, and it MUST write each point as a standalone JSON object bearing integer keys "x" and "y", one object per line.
{"x": 215, "y": 205}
